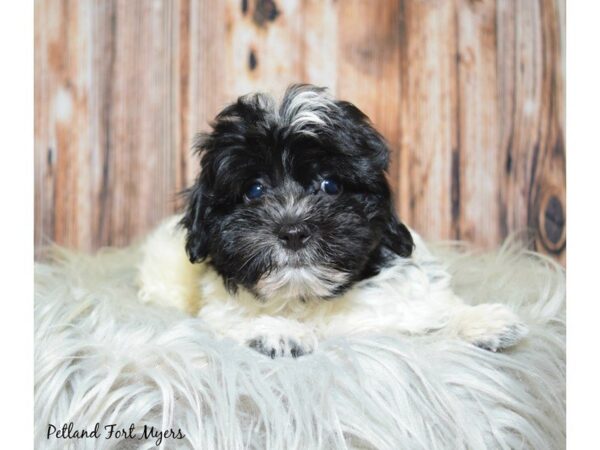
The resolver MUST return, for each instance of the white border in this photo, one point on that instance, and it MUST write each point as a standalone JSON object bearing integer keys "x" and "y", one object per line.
{"x": 16, "y": 237}
{"x": 583, "y": 224}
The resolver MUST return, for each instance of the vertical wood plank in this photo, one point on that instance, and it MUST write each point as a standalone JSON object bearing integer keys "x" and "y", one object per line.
{"x": 520, "y": 74}
{"x": 531, "y": 118}
{"x": 102, "y": 60}
{"x": 478, "y": 156}
{"x": 428, "y": 122}
{"x": 548, "y": 199}
{"x": 137, "y": 117}
{"x": 44, "y": 154}
{"x": 61, "y": 123}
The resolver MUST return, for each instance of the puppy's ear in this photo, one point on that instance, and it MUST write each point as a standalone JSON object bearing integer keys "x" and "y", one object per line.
{"x": 397, "y": 237}
{"x": 194, "y": 221}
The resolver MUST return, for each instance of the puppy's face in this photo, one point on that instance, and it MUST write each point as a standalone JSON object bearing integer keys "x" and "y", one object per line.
{"x": 292, "y": 200}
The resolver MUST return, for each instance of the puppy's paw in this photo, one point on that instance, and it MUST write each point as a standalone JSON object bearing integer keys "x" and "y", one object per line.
{"x": 492, "y": 327}
{"x": 277, "y": 336}
{"x": 277, "y": 346}
{"x": 502, "y": 338}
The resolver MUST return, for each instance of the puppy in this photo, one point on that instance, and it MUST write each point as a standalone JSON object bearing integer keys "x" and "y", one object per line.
{"x": 290, "y": 236}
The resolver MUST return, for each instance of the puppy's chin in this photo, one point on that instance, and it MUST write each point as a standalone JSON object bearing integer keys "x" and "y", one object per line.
{"x": 301, "y": 282}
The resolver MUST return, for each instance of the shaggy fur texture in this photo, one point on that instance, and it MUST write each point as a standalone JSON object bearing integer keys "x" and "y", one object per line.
{"x": 102, "y": 357}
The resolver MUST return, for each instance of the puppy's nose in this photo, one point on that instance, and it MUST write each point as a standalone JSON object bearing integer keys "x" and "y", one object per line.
{"x": 294, "y": 236}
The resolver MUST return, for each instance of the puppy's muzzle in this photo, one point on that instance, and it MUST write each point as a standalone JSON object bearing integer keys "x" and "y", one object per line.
{"x": 294, "y": 236}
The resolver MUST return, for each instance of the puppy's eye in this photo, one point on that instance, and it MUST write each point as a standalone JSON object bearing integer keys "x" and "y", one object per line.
{"x": 330, "y": 187}
{"x": 255, "y": 190}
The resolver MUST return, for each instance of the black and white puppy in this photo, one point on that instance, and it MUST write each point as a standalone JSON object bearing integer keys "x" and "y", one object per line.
{"x": 290, "y": 236}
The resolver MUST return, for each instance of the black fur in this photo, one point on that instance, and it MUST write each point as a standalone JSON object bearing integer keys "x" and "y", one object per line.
{"x": 355, "y": 232}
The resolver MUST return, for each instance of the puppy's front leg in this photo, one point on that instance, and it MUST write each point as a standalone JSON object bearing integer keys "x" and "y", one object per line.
{"x": 277, "y": 336}
{"x": 491, "y": 326}
{"x": 421, "y": 309}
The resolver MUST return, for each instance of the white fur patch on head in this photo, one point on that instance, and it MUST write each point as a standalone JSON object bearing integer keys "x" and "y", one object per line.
{"x": 305, "y": 108}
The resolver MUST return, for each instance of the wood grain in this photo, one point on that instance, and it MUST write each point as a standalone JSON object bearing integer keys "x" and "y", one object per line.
{"x": 477, "y": 116}
{"x": 468, "y": 93}
{"x": 429, "y": 189}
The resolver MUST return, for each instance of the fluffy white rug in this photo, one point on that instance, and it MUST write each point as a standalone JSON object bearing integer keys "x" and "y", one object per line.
{"x": 102, "y": 357}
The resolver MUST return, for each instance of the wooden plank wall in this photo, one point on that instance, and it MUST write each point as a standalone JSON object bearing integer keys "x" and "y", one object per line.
{"x": 469, "y": 94}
